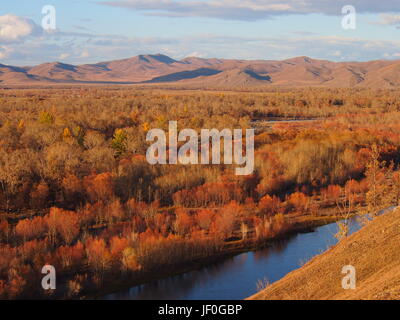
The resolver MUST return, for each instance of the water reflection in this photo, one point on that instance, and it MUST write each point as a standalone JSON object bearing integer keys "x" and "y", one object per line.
{"x": 235, "y": 278}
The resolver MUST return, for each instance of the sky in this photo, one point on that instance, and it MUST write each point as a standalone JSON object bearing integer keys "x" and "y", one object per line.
{"x": 90, "y": 31}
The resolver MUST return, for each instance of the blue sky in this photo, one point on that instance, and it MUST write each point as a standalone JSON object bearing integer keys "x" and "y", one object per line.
{"x": 98, "y": 30}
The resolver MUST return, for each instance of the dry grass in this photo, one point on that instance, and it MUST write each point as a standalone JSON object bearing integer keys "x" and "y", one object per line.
{"x": 373, "y": 251}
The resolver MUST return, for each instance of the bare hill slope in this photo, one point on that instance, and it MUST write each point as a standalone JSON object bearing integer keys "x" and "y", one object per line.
{"x": 158, "y": 68}
{"x": 373, "y": 251}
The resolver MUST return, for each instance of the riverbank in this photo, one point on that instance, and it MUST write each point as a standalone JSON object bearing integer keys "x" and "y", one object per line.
{"x": 231, "y": 249}
{"x": 373, "y": 251}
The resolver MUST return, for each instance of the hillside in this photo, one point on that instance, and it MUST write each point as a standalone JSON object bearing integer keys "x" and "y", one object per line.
{"x": 373, "y": 251}
{"x": 158, "y": 68}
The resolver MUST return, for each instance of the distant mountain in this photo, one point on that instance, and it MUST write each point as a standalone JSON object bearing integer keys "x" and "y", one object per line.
{"x": 54, "y": 71}
{"x": 158, "y": 68}
{"x": 236, "y": 77}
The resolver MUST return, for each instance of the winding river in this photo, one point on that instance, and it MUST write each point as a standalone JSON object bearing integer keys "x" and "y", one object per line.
{"x": 236, "y": 278}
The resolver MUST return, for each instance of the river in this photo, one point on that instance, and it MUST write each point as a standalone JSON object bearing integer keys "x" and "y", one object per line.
{"x": 236, "y": 278}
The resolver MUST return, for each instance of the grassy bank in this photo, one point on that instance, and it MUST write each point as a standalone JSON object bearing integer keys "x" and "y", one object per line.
{"x": 373, "y": 251}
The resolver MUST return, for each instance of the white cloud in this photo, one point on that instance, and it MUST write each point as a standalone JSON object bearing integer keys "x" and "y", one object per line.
{"x": 230, "y": 47}
{"x": 14, "y": 28}
{"x": 5, "y": 52}
{"x": 23, "y": 46}
{"x": 249, "y": 10}
{"x": 395, "y": 55}
{"x": 85, "y": 54}
{"x": 196, "y": 55}
{"x": 207, "y": 46}
{"x": 64, "y": 56}
{"x": 387, "y": 19}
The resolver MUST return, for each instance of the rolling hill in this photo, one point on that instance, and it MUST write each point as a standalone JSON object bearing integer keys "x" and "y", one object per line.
{"x": 158, "y": 68}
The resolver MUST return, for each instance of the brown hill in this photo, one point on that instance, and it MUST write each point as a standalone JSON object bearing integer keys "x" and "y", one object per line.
{"x": 136, "y": 69}
{"x": 300, "y": 71}
{"x": 15, "y": 75}
{"x": 236, "y": 77}
{"x": 373, "y": 251}
{"x": 54, "y": 71}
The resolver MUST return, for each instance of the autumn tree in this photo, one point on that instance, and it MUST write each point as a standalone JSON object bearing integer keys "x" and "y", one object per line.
{"x": 99, "y": 187}
{"x": 298, "y": 202}
{"x": 117, "y": 247}
{"x": 16, "y": 283}
{"x": 72, "y": 188}
{"x": 377, "y": 176}
{"x": 71, "y": 256}
{"x": 115, "y": 211}
{"x": 5, "y": 230}
{"x": 119, "y": 142}
{"x": 99, "y": 257}
{"x": 346, "y": 206}
{"x": 39, "y": 195}
{"x": 14, "y": 169}
{"x": 31, "y": 228}
{"x": 46, "y": 117}
{"x": 62, "y": 223}
{"x": 204, "y": 218}
{"x": 331, "y": 194}
{"x": 269, "y": 205}
{"x": 68, "y": 226}
{"x": 226, "y": 219}
{"x": 183, "y": 222}
{"x": 130, "y": 259}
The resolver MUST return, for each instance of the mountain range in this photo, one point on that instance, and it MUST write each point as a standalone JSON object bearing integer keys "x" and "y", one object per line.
{"x": 161, "y": 69}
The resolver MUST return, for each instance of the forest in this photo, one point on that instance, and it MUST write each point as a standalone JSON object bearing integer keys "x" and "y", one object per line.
{"x": 77, "y": 192}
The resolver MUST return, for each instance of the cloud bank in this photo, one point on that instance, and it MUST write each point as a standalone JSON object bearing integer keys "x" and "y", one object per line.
{"x": 14, "y": 28}
{"x": 208, "y": 46}
{"x": 387, "y": 19}
{"x": 250, "y": 10}
{"x": 22, "y": 42}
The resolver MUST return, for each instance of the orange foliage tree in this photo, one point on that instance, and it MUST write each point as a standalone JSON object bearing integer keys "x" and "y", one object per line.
{"x": 269, "y": 205}
{"x": 31, "y": 228}
{"x": 204, "y": 219}
{"x": 297, "y": 202}
{"x": 99, "y": 187}
{"x": 62, "y": 223}
{"x": 183, "y": 222}
{"x": 226, "y": 219}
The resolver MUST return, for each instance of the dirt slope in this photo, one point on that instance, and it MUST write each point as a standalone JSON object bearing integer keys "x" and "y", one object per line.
{"x": 375, "y": 253}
